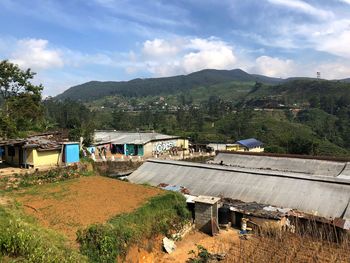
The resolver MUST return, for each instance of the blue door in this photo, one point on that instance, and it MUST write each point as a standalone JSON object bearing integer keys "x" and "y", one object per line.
{"x": 72, "y": 153}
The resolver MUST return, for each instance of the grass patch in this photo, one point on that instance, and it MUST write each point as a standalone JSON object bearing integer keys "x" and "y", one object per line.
{"x": 21, "y": 239}
{"x": 160, "y": 215}
{"x": 57, "y": 190}
{"x": 18, "y": 181}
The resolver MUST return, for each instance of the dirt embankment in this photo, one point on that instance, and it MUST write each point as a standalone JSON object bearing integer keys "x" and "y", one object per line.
{"x": 110, "y": 168}
{"x": 151, "y": 251}
{"x": 70, "y": 205}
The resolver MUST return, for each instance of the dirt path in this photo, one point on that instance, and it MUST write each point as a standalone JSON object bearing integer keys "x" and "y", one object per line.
{"x": 70, "y": 205}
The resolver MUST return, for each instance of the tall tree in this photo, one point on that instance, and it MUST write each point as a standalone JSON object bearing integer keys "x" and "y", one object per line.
{"x": 14, "y": 81}
{"x": 22, "y": 108}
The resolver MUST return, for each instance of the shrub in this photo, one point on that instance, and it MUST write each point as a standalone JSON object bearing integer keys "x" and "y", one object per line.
{"x": 160, "y": 215}
{"x": 38, "y": 177}
{"x": 20, "y": 238}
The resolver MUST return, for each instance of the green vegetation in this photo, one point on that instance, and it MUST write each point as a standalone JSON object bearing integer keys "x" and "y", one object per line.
{"x": 201, "y": 256}
{"x": 158, "y": 86}
{"x": 21, "y": 101}
{"x": 18, "y": 181}
{"x": 21, "y": 239}
{"x": 303, "y": 116}
{"x": 161, "y": 214}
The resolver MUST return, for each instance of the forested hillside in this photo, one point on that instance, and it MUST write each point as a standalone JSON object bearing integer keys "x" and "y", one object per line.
{"x": 304, "y": 116}
{"x": 297, "y": 115}
{"x": 158, "y": 86}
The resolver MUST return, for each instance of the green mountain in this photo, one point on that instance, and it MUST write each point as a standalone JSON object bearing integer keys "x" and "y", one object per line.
{"x": 296, "y": 115}
{"x": 160, "y": 86}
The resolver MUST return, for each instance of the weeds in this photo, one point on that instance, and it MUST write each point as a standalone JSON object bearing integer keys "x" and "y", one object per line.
{"x": 21, "y": 238}
{"x": 201, "y": 256}
{"x": 160, "y": 215}
{"x": 312, "y": 242}
{"x": 37, "y": 178}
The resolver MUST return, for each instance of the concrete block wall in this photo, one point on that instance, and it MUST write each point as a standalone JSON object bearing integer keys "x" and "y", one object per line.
{"x": 203, "y": 215}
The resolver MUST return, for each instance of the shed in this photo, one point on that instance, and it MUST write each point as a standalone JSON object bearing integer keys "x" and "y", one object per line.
{"x": 206, "y": 213}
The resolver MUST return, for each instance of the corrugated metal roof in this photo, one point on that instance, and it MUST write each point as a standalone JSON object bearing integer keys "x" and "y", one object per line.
{"x": 250, "y": 143}
{"x": 283, "y": 164}
{"x": 40, "y": 142}
{"x": 327, "y": 196}
{"x": 117, "y": 137}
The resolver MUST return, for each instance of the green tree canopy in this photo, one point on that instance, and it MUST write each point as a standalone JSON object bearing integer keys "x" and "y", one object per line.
{"x": 22, "y": 109}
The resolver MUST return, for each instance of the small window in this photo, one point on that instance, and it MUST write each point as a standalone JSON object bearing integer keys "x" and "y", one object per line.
{"x": 11, "y": 151}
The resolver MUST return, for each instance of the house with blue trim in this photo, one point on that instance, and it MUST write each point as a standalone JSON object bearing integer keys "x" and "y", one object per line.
{"x": 40, "y": 151}
{"x": 144, "y": 144}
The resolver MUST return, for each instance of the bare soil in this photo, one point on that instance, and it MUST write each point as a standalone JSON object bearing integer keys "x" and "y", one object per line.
{"x": 151, "y": 251}
{"x": 219, "y": 244}
{"x": 70, "y": 205}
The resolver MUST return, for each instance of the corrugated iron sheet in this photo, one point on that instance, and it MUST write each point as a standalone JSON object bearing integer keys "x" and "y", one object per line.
{"x": 117, "y": 137}
{"x": 282, "y": 164}
{"x": 325, "y": 196}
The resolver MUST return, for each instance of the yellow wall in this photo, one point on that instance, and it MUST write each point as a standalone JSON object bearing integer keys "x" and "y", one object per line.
{"x": 256, "y": 149}
{"x": 232, "y": 148}
{"x": 33, "y": 157}
{"x": 30, "y": 156}
{"x": 46, "y": 158}
{"x": 182, "y": 143}
{"x": 147, "y": 149}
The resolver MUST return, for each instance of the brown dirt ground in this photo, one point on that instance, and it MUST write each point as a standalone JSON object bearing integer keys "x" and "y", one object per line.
{"x": 73, "y": 204}
{"x": 255, "y": 249}
{"x": 220, "y": 243}
{"x": 151, "y": 251}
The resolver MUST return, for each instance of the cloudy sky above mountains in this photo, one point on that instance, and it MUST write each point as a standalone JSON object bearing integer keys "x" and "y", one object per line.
{"x": 70, "y": 42}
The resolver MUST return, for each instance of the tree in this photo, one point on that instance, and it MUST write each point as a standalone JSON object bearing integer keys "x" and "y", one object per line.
{"x": 14, "y": 81}
{"x": 22, "y": 108}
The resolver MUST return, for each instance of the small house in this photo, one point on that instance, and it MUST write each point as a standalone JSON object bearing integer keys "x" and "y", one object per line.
{"x": 39, "y": 151}
{"x": 250, "y": 145}
{"x": 145, "y": 144}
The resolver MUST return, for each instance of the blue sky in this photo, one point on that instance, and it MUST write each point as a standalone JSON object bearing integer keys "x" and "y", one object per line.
{"x": 68, "y": 42}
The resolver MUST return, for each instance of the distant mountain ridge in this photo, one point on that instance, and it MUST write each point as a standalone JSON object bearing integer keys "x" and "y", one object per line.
{"x": 160, "y": 86}
{"x": 94, "y": 90}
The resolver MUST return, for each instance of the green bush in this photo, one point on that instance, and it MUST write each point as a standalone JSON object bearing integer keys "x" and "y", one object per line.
{"x": 160, "y": 215}
{"x": 22, "y": 239}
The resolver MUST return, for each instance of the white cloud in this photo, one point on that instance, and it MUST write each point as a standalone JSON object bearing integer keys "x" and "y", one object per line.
{"x": 334, "y": 38}
{"x": 334, "y": 70}
{"x": 208, "y": 53}
{"x": 274, "y": 67}
{"x": 184, "y": 55}
{"x": 35, "y": 54}
{"x": 304, "y": 7}
{"x": 159, "y": 48}
{"x": 345, "y": 1}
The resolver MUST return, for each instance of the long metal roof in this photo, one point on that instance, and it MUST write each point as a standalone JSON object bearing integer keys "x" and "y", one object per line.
{"x": 282, "y": 164}
{"x": 119, "y": 137}
{"x": 322, "y": 195}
